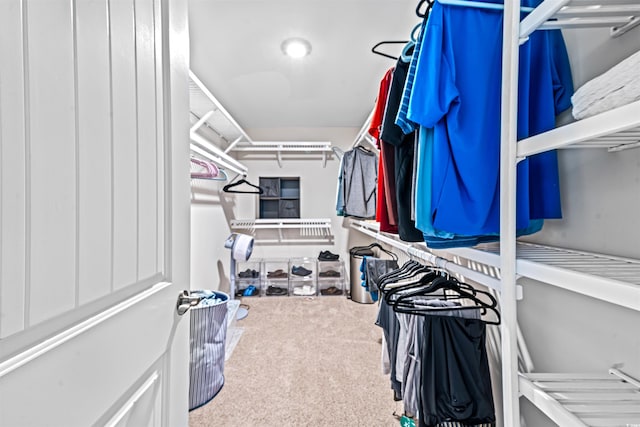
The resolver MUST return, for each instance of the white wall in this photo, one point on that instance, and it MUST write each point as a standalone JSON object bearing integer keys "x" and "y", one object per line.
{"x": 567, "y": 332}
{"x": 211, "y": 208}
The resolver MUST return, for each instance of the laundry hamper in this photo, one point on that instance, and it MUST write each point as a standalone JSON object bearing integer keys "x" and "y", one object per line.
{"x": 207, "y": 342}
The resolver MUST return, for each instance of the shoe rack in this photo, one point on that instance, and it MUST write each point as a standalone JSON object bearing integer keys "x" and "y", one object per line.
{"x": 305, "y": 277}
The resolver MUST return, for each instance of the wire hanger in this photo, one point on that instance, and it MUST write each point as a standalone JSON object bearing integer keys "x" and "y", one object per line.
{"x": 229, "y": 188}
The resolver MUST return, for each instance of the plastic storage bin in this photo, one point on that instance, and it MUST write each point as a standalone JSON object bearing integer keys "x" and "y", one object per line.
{"x": 248, "y": 278}
{"x": 275, "y": 277}
{"x": 331, "y": 278}
{"x": 302, "y": 277}
{"x": 208, "y": 332}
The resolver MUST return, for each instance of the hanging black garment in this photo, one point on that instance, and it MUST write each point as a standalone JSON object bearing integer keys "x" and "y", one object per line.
{"x": 390, "y": 325}
{"x": 403, "y": 155}
{"x": 456, "y": 384}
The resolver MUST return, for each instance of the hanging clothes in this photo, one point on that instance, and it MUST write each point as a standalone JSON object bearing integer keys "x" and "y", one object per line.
{"x": 340, "y": 190}
{"x": 359, "y": 181}
{"x": 385, "y": 212}
{"x": 403, "y": 152}
{"x": 390, "y": 325}
{"x": 435, "y": 239}
{"x": 436, "y": 345}
{"x": 461, "y": 47}
{"x": 456, "y": 383}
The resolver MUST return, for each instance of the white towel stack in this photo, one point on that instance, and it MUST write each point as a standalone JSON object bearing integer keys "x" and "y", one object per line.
{"x": 618, "y": 86}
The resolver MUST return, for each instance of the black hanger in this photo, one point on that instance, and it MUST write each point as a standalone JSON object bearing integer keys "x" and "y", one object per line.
{"x": 363, "y": 149}
{"x": 386, "y": 55}
{"x": 391, "y": 292}
{"x": 406, "y": 271}
{"x": 228, "y": 188}
{"x": 354, "y": 251}
{"x": 406, "y": 302}
{"x": 426, "y": 11}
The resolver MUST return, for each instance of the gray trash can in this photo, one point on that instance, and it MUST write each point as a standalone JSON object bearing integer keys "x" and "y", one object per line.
{"x": 358, "y": 292}
{"x": 207, "y": 347}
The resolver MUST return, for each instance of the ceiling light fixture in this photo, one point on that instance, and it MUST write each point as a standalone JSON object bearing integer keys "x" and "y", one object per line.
{"x": 296, "y": 47}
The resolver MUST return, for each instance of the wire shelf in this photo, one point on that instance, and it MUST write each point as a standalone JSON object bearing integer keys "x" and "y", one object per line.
{"x": 616, "y": 130}
{"x": 579, "y": 400}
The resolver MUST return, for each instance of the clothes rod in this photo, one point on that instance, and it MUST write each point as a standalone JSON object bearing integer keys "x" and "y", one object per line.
{"x": 215, "y": 151}
{"x": 433, "y": 259}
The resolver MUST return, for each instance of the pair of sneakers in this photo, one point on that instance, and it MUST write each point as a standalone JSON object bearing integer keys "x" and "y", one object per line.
{"x": 300, "y": 271}
{"x": 328, "y": 256}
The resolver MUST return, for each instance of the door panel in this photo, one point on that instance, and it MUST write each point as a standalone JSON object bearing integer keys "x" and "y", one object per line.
{"x": 147, "y": 130}
{"x": 94, "y": 153}
{"x": 125, "y": 189}
{"x": 79, "y": 363}
{"x": 50, "y": 141}
{"x": 94, "y": 218}
{"x": 12, "y": 172}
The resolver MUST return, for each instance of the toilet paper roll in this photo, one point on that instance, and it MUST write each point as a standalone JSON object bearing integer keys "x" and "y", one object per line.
{"x": 242, "y": 247}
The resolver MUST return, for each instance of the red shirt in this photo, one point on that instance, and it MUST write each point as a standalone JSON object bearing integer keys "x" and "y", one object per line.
{"x": 383, "y": 215}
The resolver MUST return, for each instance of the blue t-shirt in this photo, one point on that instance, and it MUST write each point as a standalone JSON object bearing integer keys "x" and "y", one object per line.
{"x": 457, "y": 92}
{"x": 401, "y": 118}
{"x": 423, "y": 185}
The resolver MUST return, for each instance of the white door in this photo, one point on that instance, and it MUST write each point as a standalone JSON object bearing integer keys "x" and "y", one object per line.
{"x": 94, "y": 214}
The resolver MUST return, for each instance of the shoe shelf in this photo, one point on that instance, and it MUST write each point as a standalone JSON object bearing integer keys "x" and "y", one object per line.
{"x": 302, "y": 277}
{"x": 275, "y": 277}
{"x": 616, "y": 130}
{"x": 248, "y": 278}
{"x": 580, "y": 400}
{"x": 331, "y": 278}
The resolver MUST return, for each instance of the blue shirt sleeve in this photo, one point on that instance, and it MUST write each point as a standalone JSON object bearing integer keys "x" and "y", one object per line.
{"x": 434, "y": 89}
{"x": 561, "y": 72}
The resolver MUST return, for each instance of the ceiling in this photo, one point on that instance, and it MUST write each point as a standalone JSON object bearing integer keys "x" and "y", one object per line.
{"x": 235, "y": 52}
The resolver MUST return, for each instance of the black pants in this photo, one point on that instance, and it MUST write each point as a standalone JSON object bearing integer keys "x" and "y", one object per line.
{"x": 456, "y": 384}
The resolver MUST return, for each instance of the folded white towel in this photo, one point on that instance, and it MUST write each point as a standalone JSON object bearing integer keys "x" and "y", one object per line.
{"x": 616, "y": 87}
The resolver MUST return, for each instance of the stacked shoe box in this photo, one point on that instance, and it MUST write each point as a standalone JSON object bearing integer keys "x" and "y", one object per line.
{"x": 248, "y": 283}
{"x": 302, "y": 277}
{"x": 275, "y": 277}
{"x": 331, "y": 275}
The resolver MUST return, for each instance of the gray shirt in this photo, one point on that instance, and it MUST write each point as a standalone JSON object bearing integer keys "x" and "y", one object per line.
{"x": 359, "y": 181}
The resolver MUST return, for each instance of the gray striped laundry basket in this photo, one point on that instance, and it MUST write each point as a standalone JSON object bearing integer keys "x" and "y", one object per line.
{"x": 207, "y": 342}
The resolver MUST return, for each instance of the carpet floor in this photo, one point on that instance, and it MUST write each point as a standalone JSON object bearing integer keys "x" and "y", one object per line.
{"x": 304, "y": 362}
